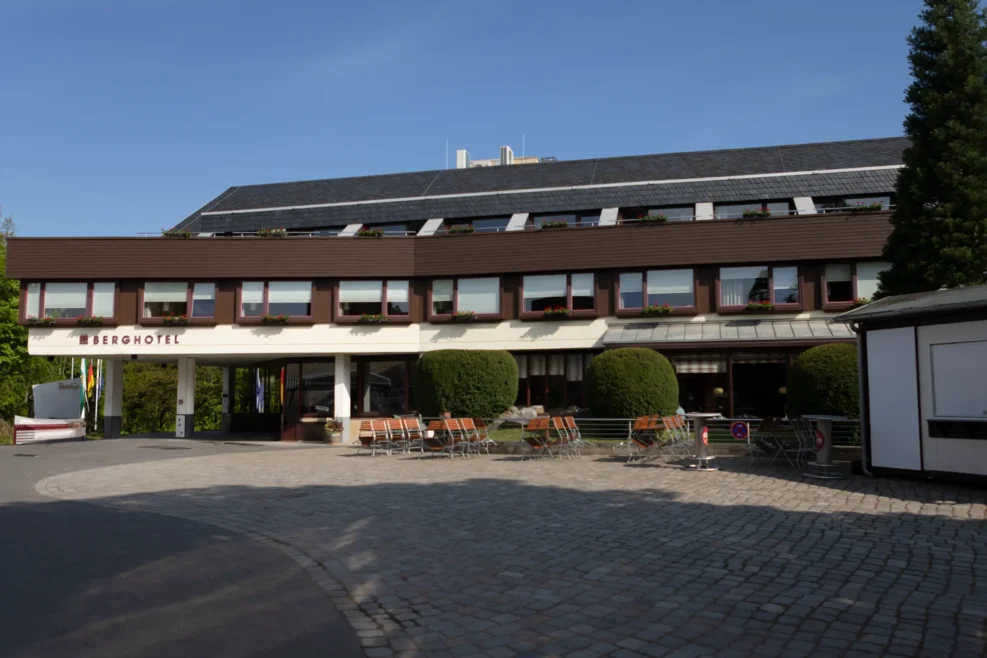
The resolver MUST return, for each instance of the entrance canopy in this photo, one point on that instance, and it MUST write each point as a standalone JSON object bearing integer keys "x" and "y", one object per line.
{"x": 744, "y": 330}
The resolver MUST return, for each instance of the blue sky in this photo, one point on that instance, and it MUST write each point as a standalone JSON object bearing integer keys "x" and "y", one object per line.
{"x": 122, "y": 116}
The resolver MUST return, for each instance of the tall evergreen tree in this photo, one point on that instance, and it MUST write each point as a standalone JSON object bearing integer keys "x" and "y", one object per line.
{"x": 940, "y": 222}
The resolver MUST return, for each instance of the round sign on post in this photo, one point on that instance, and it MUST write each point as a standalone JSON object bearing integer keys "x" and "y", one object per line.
{"x": 820, "y": 440}
{"x": 706, "y": 435}
{"x": 740, "y": 430}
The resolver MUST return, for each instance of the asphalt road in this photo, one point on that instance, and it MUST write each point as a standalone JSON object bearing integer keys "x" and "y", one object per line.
{"x": 83, "y": 580}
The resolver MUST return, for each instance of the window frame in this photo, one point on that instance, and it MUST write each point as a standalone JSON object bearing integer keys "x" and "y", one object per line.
{"x": 292, "y": 319}
{"x": 577, "y": 219}
{"x": 189, "y": 287}
{"x": 107, "y": 320}
{"x": 631, "y": 214}
{"x": 764, "y": 205}
{"x": 639, "y": 310}
{"x": 480, "y": 317}
{"x": 784, "y": 307}
{"x": 855, "y": 294}
{"x": 540, "y": 315}
{"x": 341, "y": 318}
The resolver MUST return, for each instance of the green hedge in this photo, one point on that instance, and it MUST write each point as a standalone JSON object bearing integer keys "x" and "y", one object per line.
{"x": 468, "y": 383}
{"x": 823, "y": 380}
{"x": 630, "y": 382}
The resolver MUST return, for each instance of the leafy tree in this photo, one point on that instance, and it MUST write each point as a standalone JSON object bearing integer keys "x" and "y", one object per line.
{"x": 149, "y": 395}
{"x": 940, "y": 222}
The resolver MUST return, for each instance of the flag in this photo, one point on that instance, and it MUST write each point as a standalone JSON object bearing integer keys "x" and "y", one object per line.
{"x": 259, "y": 389}
{"x": 282, "y": 386}
{"x": 90, "y": 381}
{"x": 82, "y": 386}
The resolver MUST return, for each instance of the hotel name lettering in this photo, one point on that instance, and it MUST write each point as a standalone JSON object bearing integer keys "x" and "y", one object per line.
{"x": 137, "y": 339}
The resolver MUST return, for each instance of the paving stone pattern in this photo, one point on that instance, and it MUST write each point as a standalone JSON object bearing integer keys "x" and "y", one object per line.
{"x": 497, "y": 557}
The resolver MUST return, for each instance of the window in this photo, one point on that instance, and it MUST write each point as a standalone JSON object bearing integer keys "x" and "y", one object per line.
{"x": 65, "y": 300}
{"x": 481, "y": 296}
{"x": 570, "y": 218}
{"x": 659, "y": 287}
{"x": 675, "y": 213}
{"x": 785, "y": 285}
{"x": 203, "y": 300}
{"x": 741, "y": 285}
{"x": 318, "y": 388}
{"x": 380, "y": 387}
{"x": 839, "y": 283}
{"x": 103, "y": 296}
{"x": 544, "y": 291}
{"x": 485, "y": 224}
{"x": 867, "y": 281}
{"x": 33, "y": 307}
{"x": 358, "y": 298}
{"x": 163, "y": 298}
{"x": 841, "y": 204}
{"x": 289, "y": 298}
{"x": 736, "y": 210}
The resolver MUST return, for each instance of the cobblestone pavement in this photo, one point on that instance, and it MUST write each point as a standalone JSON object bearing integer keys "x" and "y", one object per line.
{"x": 497, "y": 557}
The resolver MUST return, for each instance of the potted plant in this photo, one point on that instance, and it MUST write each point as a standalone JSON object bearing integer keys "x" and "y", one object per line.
{"x": 41, "y": 322}
{"x": 754, "y": 214}
{"x": 334, "y": 431}
{"x": 867, "y": 207}
{"x": 274, "y": 319}
{"x": 370, "y": 233}
{"x": 555, "y": 223}
{"x": 861, "y": 301}
{"x": 276, "y": 233}
{"x": 176, "y": 234}
{"x": 372, "y": 318}
{"x": 463, "y": 316}
{"x": 173, "y": 320}
{"x": 657, "y": 218}
{"x": 89, "y": 321}
{"x": 757, "y": 306}
{"x": 461, "y": 228}
{"x": 664, "y": 309}
{"x": 556, "y": 312}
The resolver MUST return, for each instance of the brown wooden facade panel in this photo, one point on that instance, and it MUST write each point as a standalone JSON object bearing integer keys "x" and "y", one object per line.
{"x": 226, "y": 301}
{"x": 771, "y": 240}
{"x": 126, "y": 310}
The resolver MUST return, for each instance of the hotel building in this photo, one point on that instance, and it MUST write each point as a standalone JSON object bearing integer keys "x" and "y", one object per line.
{"x": 671, "y": 252}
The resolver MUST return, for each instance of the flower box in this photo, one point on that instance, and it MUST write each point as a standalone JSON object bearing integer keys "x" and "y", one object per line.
{"x": 463, "y": 316}
{"x": 556, "y": 312}
{"x": 652, "y": 219}
{"x": 372, "y": 318}
{"x": 559, "y": 223}
{"x": 175, "y": 320}
{"x": 664, "y": 309}
{"x": 867, "y": 207}
{"x": 759, "y": 306}
{"x": 274, "y": 319}
{"x": 41, "y": 322}
{"x": 755, "y": 214}
{"x": 272, "y": 233}
{"x": 860, "y": 301}
{"x": 176, "y": 234}
{"x": 89, "y": 321}
{"x": 370, "y": 233}
{"x": 462, "y": 228}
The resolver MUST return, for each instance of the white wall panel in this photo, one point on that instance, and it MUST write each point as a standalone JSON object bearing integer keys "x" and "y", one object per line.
{"x": 893, "y": 391}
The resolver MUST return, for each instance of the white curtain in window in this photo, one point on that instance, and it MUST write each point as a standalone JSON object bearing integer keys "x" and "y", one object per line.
{"x": 669, "y": 281}
{"x": 397, "y": 292}
{"x": 735, "y": 283}
{"x": 522, "y": 365}
{"x": 206, "y": 292}
{"x": 289, "y": 292}
{"x": 582, "y": 285}
{"x": 574, "y": 367}
{"x": 556, "y": 365}
{"x": 536, "y": 365}
{"x": 103, "y": 294}
{"x": 167, "y": 291}
{"x": 837, "y": 273}
{"x": 867, "y": 278}
{"x": 479, "y": 295}
{"x": 442, "y": 290}
{"x": 360, "y": 291}
{"x": 253, "y": 292}
{"x": 539, "y": 287}
{"x": 33, "y": 309}
{"x": 65, "y": 295}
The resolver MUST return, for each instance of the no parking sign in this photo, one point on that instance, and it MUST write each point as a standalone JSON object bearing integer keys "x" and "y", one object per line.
{"x": 820, "y": 440}
{"x": 740, "y": 430}
{"x": 705, "y": 435}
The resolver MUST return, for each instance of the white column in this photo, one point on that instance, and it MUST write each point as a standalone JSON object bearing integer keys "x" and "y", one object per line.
{"x": 185, "y": 409}
{"x": 518, "y": 221}
{"x": 704, "y": 210}
{"x": 113, "y": 398}
{"x": 341, "y": 394}
{"x": 804, "y": 205}
{"x": 608, "y": 216}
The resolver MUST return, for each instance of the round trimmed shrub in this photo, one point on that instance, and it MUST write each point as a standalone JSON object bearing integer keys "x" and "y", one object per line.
{"x": 630, "y": 382}
{"x": 467, "y": 383}
{"x": 823, "y": 380}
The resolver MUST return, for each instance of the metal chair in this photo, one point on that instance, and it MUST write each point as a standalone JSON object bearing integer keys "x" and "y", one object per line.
{"x": 414, "y": 434}
{"x": 535, "y": 435}
{"x": 645, "y": 440}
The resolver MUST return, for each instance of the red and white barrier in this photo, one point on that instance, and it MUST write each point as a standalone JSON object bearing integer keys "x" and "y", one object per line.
{"x": 39, "y": 430}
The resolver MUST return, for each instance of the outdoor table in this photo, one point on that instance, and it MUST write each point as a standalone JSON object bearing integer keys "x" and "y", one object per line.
{"x": 702, "y": 441}
{"x": 823, "y": 467}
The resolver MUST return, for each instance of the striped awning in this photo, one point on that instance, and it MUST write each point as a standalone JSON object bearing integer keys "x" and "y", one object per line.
{"x": 698, "y": 364}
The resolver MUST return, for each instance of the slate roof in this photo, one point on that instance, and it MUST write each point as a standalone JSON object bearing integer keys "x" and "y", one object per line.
{"x": 640, "y": 333}
{"x": 968, "y": 299}
{"x": 412, "y": 196}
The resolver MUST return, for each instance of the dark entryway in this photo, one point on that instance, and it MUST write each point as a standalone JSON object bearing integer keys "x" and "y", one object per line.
{"x": 757, "y": 389}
